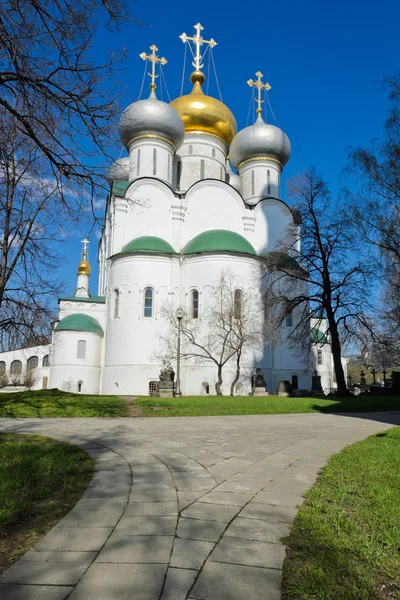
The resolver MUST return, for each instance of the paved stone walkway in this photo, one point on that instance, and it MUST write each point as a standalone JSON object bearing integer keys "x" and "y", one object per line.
{"x": 181, "y": 508}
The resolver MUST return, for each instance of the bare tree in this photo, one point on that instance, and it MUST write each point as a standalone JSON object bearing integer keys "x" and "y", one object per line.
{"x": 229, "y": 325}
{"x": 61, "y": 100}
{"x": 375, "y": 177}
{"x": 317, "y": 272}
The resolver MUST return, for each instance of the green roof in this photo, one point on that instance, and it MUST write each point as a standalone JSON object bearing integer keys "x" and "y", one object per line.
{"x": 79, "y": 322}
{"x": 317, "y": 336}
{"x": 149, "y": 243}
{"x": 119, "y": 188}
{"x": 97, "y": 299}
{"x": 279, "y": 260}
{"x": 219, "y": 240}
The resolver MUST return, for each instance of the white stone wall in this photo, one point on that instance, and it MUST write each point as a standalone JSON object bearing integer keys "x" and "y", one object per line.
{"x": 202, "y": 156}
{"x": 151, "y": 157}
{"x": 40, "y": 374}
{"x": 260, "y": 178}
{"x": 67, "y": 370}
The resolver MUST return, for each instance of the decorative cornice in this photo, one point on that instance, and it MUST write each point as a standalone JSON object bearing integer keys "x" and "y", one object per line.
{"x": 153, "y": 136}
{"x": 261, "y": 158}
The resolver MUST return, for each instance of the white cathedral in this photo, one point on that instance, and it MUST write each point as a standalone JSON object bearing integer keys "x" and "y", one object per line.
{"x": 177, "y": 216}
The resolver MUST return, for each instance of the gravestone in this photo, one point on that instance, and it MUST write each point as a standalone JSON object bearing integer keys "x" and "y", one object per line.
{"x": 316, "y": 387}
{"x": 284, "y": 388}
{"x": 259, "y": 384}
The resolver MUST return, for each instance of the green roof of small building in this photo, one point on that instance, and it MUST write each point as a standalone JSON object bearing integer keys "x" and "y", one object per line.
{"x": 96, "y": 299}
{"x": 119, "y": 188}
{"x": 149, "y": 243}
{"x": 219, "y": 240}
{"x": 278, "y": 260}
{"x": 79, "y": 322}
{"x": 317, "y": 336}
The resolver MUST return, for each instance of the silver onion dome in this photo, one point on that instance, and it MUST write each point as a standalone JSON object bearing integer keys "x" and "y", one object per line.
{"x": 119, "y": 171}
{"x": 258, "y": 140}
{"x": 233, "y": 178}
{"x": 151, "y": 117}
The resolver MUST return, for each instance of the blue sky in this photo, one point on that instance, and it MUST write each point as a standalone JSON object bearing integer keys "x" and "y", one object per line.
{"x": 323, "y": 60}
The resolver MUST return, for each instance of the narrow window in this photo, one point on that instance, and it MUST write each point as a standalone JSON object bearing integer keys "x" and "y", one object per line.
{"x": 252, "y": 184}
{"x": 295, "y": 382}
{"x": 16, "y": 367}
{"x": 2, "y": 367}
{"x": 32, "y": 363}
{"x": 237, "y": 304}
{"x": 289, "y": 320}
{"x": 202, "y": 169}
{"x": 190, "y": 149}
{"x": 81, "y": 349}
{"x": 195, "y": 304}
{"x": 220, "y": 174}
{"x": 213, "y": 153}
{"x": 169, "y": 167}
{"x": 320, "y": 357}
{"x": 268, "y": 182}
{"x": 116, "y": 303}
{"x": 80, "y": 385}
{"x": 46, "y": 361}
{"x": 154, "y": 161}
{"x": 148, "y": 302}
{"x": 138, "y": 163}
{"x": 45, "y": 383}
{"x": 178, "y": 174}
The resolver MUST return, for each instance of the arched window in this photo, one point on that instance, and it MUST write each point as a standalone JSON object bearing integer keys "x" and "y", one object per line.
{"x": 268, "y": 182}
{"x": 195, "y": 304}
{"x": 202, "y": 169}
{"x": 148, "y": 302}
{"x": 178, "y": 174}
{"x": 289, "y": 319}
{"x": 81, "y": 349}
{"x": 252, "y": 184}
{"x": 2, "y": 367}
{"x": 190, "y": 149}
{"x": 153, "y": 387}
{"x": 116, "y": 303}
{"x": 154, "y": 161}
{"x": 79, "y": 387}
{"x": 213, "y": 152}
{"x": 138, "y": 163}
{"x": 320, "y": 357}
{"x": 46, "y": 361}
{"x": 238, "y": 304}
{"x": 16, "y": 367}
{"x": 32, "y": 362}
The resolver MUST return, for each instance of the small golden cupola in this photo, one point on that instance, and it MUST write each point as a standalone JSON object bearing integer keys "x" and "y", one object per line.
{"x": 201, "y": 113}
{"x": 84, "y": 266}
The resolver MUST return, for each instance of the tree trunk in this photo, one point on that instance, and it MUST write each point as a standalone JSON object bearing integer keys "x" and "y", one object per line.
{"x": 342, "y": 390}
{"x": 219, "y": 382}
{"x": 237, "y": 375}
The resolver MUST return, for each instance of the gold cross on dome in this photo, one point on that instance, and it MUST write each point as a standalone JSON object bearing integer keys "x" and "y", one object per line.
{"x": 198, "y": 41}
{"x": 154, "y": 59}
{"x": 260, "y": 86}
{"x": 85, "y": 243}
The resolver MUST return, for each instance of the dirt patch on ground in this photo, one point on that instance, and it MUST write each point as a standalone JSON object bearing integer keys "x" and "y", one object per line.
{"x": 132, "y": 410}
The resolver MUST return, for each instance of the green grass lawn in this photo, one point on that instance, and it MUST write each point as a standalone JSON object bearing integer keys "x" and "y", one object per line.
{"x": 41, "y": 479}
{"x": 248, "y": 405}
{"x": 55, "y": 403}
{"x": 345, "y": 541}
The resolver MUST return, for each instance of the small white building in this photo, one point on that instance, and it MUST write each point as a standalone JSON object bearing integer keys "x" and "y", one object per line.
{"x": 177, "y": 216}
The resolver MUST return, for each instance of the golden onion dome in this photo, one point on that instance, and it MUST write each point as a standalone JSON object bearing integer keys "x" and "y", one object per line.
{"x": 84, "y": 267}
{"x": 201, "y": 113}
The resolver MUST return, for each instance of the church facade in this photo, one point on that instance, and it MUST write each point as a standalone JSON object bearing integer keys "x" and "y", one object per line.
{"x": 177, "y": 217}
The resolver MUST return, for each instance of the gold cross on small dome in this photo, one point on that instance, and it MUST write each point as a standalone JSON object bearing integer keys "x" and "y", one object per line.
{"x": 154, "y": 59}
{"x": 198, "y": 41}
{"x": 260, "y": 86}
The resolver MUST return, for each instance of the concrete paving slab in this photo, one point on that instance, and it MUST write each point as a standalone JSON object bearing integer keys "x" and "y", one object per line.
{"x": 149, "y": 525}
{"x": 248, "y": 552}
{"x": 269, "y": 512}
{"x": 229, "y": 498}
{"x": 120, "y": 582}
{"x": 151, "y": 509}
{"x": 255, "y": 529}
{"x": 190, "y": 554}
{"x": 33, "y": 592}
{"x": 178, "y": 583}
{"x": 197, "y": 529}
{"x": 137, "y": 549}
{"x": 210, "y": 512}
{"x": 220, "y": 581}
{"x": 74, "y": 538}
{"x": 44, "y": 573}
